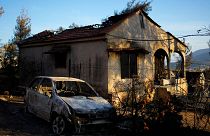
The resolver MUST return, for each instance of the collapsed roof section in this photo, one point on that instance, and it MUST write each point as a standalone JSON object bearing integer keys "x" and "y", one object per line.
{"x": 81, "y": 33}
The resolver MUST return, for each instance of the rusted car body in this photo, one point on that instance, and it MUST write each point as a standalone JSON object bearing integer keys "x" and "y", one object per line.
{"x": 68, "y": 103}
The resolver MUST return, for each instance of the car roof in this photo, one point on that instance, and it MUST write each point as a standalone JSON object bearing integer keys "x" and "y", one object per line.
{"x": 61, "y": 78}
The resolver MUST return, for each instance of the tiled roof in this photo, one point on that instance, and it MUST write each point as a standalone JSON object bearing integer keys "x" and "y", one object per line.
{"x": 68, "y": 34}
{"x": 81, "y": 32}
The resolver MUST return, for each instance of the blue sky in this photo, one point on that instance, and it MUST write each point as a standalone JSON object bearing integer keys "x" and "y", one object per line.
{"x": 180, "y": 17}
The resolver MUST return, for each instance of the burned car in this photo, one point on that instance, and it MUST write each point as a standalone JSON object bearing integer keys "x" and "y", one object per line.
{"x": 68, "y": 103}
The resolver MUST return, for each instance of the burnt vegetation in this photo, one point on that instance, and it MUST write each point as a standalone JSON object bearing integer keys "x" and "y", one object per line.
{"x": 132, "y": 6}
{"x": 166, "y": 113}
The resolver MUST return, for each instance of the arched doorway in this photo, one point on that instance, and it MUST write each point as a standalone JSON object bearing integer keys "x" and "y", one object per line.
{"x": 177, "y": 64}
{"x": 161, "y": 65}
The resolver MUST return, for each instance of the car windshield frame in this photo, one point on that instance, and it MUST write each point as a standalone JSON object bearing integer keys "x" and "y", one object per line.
{"x": 74, "y": 88}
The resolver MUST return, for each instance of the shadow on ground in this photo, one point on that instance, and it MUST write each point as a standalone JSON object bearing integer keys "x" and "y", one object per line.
{"x": 14, "y": 121}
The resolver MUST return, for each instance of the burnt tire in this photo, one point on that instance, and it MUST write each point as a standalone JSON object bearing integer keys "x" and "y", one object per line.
{"x": 58, "y": 125}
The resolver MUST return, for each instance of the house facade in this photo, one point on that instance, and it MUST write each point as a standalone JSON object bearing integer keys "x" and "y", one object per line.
{"x": 120, "y": 48}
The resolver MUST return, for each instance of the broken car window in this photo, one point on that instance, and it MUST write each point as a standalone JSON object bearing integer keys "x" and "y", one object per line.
{"x": 66, "y": 88}
{"x": 35, "y": 84}
{"x": 72, "y": 88}
{"x": 46, "y": 87}
{"x": 86, "y": 90}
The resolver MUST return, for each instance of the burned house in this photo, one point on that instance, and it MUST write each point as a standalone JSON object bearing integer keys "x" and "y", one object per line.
{"x": 116, "y": 50}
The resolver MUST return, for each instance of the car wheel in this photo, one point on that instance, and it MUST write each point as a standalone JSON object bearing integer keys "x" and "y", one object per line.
{"x": 58, "y": 125}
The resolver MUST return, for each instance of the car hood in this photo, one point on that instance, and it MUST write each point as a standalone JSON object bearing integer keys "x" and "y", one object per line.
{"x": 82, "y": 104}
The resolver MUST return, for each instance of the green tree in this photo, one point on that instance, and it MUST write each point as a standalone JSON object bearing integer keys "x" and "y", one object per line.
{"x": 9, "y": 64}
{"x": 1, "y": 10}
{"x": 9, "y": 59}
{"x": 23, "y": 27}
{"x": 188, "y": 60}
{"x": 188, "y": 56}
{"x": 10, "y": 56}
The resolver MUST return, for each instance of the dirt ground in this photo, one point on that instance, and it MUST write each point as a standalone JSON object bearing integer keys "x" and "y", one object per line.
{"x": 14, "y": 121}
{"x": 189, "y": 121}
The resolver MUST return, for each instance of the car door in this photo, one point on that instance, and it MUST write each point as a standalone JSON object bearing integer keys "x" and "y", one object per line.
{"x": 44, "y": 101}
{"x": 32, "y": 94}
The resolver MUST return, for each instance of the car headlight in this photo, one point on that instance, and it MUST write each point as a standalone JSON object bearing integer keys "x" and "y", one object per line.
{"x": 82, "y": 120}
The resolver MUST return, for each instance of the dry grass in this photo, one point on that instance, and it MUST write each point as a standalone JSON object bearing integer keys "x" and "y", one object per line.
{"x": 194, "y": 120}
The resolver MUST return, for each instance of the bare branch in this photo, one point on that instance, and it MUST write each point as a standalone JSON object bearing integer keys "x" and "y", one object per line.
{"x": 204, "y": 30}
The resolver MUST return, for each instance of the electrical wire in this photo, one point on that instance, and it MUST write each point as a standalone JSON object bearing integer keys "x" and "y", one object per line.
{"x": 135, "y": 39}
{"x": 193, "y": 35}
{"x": 166, "y": 39}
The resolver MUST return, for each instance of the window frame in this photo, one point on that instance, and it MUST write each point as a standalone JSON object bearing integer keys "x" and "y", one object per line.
{"x": 141, "y": 19}
{"x": 127, "y": 68}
